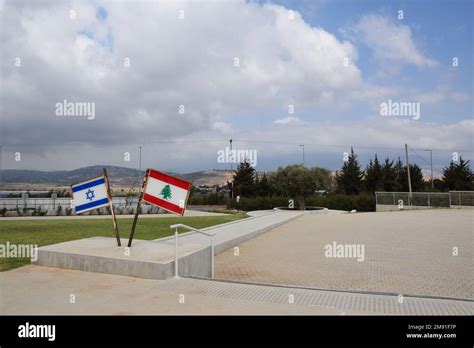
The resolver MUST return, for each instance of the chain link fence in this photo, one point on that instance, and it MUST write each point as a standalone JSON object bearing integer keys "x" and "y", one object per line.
{"x": 423, "y": 200}
{"x": 462, "y": 198}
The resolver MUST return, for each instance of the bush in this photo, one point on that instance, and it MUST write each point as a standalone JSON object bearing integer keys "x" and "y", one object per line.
{"x": 154, "y": 210}
{"x": 40, "y": 211}
{"x": 365, "y": 202}
{"x": 259, "y": 203}
{"x": 361, "y": 202}
{"x": 59, "y": 210}
{"x": 3, "y": 212}
{"x": 208, "y": 199}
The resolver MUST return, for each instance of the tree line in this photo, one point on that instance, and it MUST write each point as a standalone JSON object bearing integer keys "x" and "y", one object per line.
{"x": 295, "y": 181}
{"x": 391, "y": 176}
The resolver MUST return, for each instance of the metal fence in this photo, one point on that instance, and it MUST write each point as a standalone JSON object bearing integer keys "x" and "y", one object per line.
{"x": 62, "y": 206}
{"x": 423, "y": 200}
{"x": 462, "y": 198}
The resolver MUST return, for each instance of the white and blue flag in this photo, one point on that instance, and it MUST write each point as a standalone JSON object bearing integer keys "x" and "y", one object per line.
{"x": 90, "y": 194}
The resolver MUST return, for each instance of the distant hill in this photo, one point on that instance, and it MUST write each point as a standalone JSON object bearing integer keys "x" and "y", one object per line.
{"x": 117, "y": 175}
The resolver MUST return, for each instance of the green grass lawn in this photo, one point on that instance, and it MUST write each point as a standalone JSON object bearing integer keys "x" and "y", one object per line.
{"x": 56, "y": 231}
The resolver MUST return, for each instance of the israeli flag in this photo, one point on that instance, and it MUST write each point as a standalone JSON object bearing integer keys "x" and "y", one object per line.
{"x": 90, "y": 195}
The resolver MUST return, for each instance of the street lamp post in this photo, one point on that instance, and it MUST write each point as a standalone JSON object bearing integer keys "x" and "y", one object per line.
{"x": 231, "y": 171}
{"x": 140, "y": 162}
{"x": 302, "y": 145}
{"x": 1, "y": 162}
{"x": 431, "y": 162}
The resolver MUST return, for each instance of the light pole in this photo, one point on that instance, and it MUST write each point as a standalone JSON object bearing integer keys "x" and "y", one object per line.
{"x": 409, "y": 177}
{"x": 140, "y": 163}
{"x": 231, "y": 171}
{"x": 1, "y": 162}
{"x": 431, "y": 162}
{"x": 302, "y": 145}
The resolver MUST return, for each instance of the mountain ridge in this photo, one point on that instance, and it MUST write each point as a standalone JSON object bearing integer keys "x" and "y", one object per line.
{"x": 117, "y": 175}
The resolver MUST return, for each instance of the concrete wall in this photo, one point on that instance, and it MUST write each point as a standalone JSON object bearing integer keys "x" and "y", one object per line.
{"x": 196, "y": 264}
{"x": 99, "y": 264}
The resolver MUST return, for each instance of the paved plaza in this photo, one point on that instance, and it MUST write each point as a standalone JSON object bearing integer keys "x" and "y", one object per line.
{"x": 408, "y": 252}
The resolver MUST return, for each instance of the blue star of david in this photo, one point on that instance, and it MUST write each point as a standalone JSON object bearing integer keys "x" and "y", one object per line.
{"x": 90, "y": 195}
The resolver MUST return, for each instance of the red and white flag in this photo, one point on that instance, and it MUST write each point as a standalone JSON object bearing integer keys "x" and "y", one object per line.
{"x": 166, "y": 191}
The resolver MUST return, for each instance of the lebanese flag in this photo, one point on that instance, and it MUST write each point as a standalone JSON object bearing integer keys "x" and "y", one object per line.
{"x": 166, "y": 191}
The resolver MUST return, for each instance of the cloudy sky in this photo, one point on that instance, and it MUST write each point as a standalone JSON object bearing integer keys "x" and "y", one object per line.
{"x": 181, "y": 78}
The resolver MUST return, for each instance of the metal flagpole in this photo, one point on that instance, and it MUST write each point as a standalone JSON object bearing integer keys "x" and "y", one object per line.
{"x": 145, "y": 178}
{"x": 114, "y": 219}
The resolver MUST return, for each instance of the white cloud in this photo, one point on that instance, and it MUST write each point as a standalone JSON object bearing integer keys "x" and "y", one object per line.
{"x": 460, "y": 96}
{"x": 390, "y": 41}
{"x": 173, "y": 62}
{"x": 441, "y": 93}
{"x": 375, "y": 132}
{"x": 222, "y": 127}
{"x": 190, "y": 62}
{"x": 198, "y": 151}
{"x": 432, "y": 97}
{"x": 289, "y": 120}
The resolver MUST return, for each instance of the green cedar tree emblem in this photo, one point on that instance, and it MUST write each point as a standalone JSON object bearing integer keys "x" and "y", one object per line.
{"x": 166, "y": 192}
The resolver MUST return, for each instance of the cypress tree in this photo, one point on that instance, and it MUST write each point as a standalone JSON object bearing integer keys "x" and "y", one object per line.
{"x": 389, "y": 175}
{"x": 458, "y": 176}
{"x": 350, "y": 179}
{"x": 373, "y": 176}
